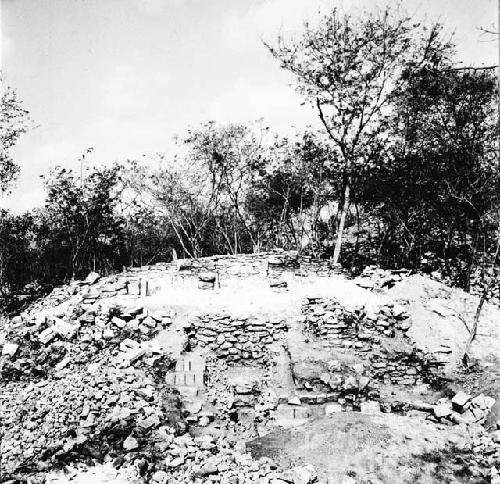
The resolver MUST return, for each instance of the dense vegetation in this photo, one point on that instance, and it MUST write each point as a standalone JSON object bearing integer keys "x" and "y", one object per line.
{"x": 404, "y": 172}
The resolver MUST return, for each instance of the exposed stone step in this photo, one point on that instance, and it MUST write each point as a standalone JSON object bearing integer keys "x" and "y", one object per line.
{"x": 189, "y": 372}
{"x": 184, "y": 378}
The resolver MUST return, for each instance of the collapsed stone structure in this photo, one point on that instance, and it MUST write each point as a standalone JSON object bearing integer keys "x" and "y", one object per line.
{"x": 97, "y": 371}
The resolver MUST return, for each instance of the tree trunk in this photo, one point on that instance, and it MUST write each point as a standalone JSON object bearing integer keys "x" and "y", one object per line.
{"x": 473, "y": 331}
{"x": 486, "y": 289}
{"x": 340, "y": 231}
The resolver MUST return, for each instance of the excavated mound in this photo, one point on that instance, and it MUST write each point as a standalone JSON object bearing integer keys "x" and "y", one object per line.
{"x": 174, "y": 373}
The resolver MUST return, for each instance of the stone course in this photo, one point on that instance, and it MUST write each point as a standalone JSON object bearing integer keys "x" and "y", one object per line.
{"x": 379, "y": 337}
{"x": 237, "y": 338}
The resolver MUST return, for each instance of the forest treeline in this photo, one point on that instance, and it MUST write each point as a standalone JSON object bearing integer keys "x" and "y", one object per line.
{"x": 404, "y": 171}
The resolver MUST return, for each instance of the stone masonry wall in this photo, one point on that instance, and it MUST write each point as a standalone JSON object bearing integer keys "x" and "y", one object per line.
{"x": 378, "y": 337}
{"x": 235, "y": 339}
{"x": 146, "y": 280}
{"x": 352, "y": 328}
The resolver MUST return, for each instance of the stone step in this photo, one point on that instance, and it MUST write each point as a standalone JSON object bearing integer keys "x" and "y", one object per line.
{"x": 290, "y": 415}
{"x": 184, "y": 378}
{"x": 190, "y": 393}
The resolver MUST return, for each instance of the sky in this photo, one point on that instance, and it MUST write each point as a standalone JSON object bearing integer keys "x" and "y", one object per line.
{"x": 125, "y": 76}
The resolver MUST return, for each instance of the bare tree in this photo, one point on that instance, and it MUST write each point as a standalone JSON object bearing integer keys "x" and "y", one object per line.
{"x": 348, "y": 68}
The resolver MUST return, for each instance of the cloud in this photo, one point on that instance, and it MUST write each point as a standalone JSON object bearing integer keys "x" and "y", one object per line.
{"x": 265, "y": 19}
{"x": 120, "y": 138}
{"x": 150, "y": 7}
{"x": 6, "y": 49}
{"x": 277, "y": 104}
{"x": 28, "y": 191}
{"x": 155, "y": 7}
{"x": 23, "y": 199}
{"x": 128, "y": 93}
{"x": 62, "y": 153}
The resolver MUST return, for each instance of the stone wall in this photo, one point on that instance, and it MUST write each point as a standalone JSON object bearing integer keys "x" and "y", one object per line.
{"x": 379, "y": 337}
{"x": 146, "y": 280}
{"x": 352, "y": 327}
{"x": 235, "y": 339}
{"x": 263, "y": 263}
{"x": 404, "y": 365}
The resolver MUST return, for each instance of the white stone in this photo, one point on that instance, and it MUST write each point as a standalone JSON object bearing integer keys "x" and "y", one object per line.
{"x": 64, "y": 329}
{"x": 9, "y": 349}
{"x": 130, "y": 443}
{"x": 370, "y": 407}
{"x": 194, "y": 407}
{"x": 108, "y": 334}
{"x": 483, "y": 402}
{"x": 92, "y": 278}
{"x": 47, "y": 335}
{"x": 120, "y": 323}
{"x": 325, "y": 378}
{"x": 302, "y": 474}
{"x": 160, "y": 476}
{"x": 442, "y": 410}
{"x": 333, "y": 408}
{"x": 460, "y": 399}
{"x": 134, "y": 354}
{"x": 128, "y": 344}
{"x": 348, "y": 480}
{"x": 149, "y": 322}
{"x": 176, "y": 462}
{"x": 398, "y": 311}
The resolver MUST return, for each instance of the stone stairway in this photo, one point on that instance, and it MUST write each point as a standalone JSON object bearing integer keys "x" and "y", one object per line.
{"x": 188, "y": 378}
{"x": 189, "y": 371}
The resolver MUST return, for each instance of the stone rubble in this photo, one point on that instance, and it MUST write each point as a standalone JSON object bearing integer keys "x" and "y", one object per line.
{"x": 376, "y": 278}
{"x": 85, "y": 381}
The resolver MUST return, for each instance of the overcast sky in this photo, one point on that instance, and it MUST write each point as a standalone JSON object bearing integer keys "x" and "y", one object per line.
{"x": 124, "y": 76}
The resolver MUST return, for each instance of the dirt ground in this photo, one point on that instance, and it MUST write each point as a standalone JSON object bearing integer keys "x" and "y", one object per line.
{"x": 376, "y": 449}
{"x": 440, "y": 316}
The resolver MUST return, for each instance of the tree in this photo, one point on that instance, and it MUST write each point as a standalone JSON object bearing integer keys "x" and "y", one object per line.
{"x": 439, "y": 186}
{"x": 18, "y": 254}
{"x": 349, "y": 69}
{"x": 287, "y": 191}
{"x": 200, "y": 190}
{"x": 83, "y": 232}
{"x": 229, "y": 154}
{"x": 14, "y": 121}
{"x": 177, "y": 194}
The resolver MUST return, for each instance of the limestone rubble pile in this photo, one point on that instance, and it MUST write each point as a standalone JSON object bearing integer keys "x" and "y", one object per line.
{"x": 462, "y": 409}
{"x": 83, "y": 380}
{"x": 82, "y": 415}
{"x": 84, "y": 377}
{"x": 78, "y": 334}
{"x": 376, "y": 278}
